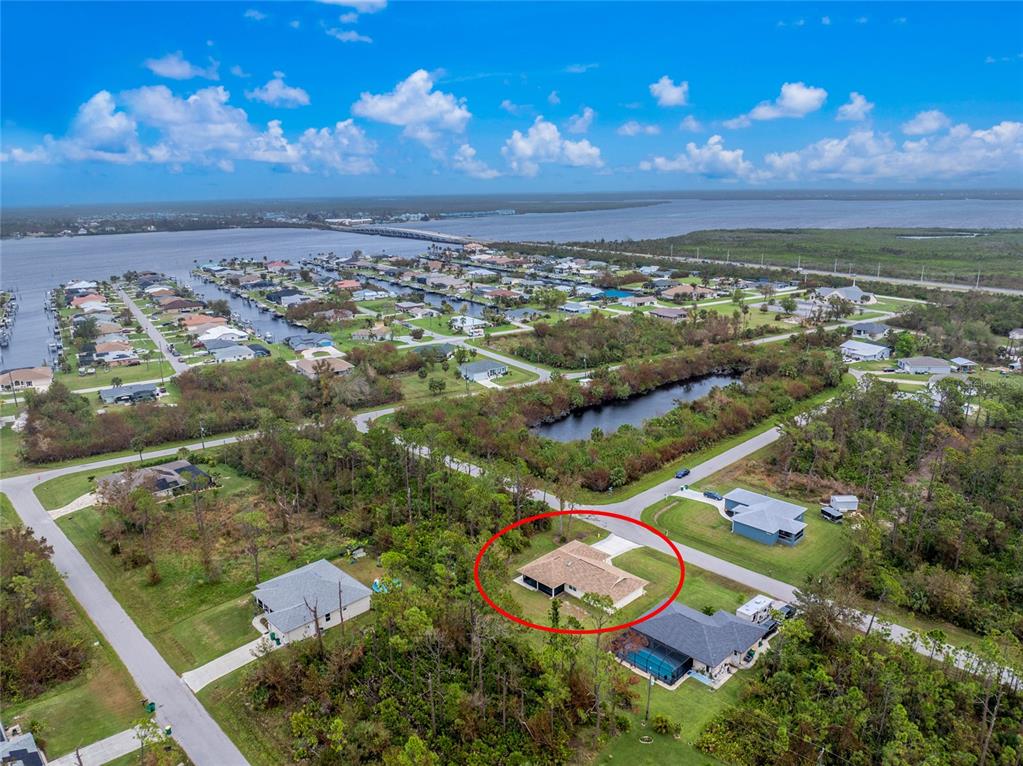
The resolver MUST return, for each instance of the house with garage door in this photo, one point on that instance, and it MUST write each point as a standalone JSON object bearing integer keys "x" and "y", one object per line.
{"x": 925, "y": 365}
{"x": 318, "y": 591}
{"x": 765, "y": 519}
{"x": 576, "y": 569}
{"x": 682, "y": 640}
{"x": 861, "y": 351}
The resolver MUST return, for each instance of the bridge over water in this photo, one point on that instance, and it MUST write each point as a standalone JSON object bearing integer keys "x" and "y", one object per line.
{"x": 394, "y": 231}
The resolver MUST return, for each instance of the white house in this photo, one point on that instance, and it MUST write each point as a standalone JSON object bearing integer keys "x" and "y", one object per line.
{"x": 925, "y": 365}
{"x": 859, "y": 351}
{"x": 290, "y": 601}
{"x": 222, "y": 332}
{"x": 850, "y": 293}
{"x": 465, "y": 322}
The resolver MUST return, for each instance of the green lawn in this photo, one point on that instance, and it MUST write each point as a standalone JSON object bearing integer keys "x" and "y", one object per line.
{"x": 515, "y": 376}
{"x": 9, "y": 518}
{"x": 699, "y": 525}
{"x": 189, "y": 620}
{"x": 439, "y": 325}
{"x": 692, "y": 704}
{"x": 144, "y": 371}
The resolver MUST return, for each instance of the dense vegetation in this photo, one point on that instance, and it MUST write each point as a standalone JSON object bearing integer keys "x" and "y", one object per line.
{"x": 958, "y": 324}
{"x": 822, "y": 696}
{"x": 942, "y": 255}
{"x": 38, "y": 649}
{"x": 943, "y": 536}
{"x": 597, "y": 339}
{"x": 431, "y": 675}
{"x": 63, "y": 425}
{"x": 495, "y": 426}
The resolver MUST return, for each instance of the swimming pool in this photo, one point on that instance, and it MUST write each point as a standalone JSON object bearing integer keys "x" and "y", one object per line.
{"x": 660, "y": 665}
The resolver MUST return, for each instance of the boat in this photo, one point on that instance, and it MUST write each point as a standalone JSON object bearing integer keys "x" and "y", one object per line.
{"x": 268, "y": 337}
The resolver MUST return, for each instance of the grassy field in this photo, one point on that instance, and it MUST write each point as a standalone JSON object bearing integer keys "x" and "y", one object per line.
{"x": 995, "y": 253}
{"x": 699, "y": 525}
{"x": 190, "y": 620}
{"x": 692, "y": 704}
{"x": 100, "y": 702}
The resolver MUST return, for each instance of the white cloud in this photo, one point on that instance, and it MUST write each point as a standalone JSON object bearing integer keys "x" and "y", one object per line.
{"x": 512, "y": 108}
{"x": 423, "y": 113}
{"x": 348, "y": 35}
{"x": 277, "y": 93}
{"x": 862, "y": 20}
{"x": 174, "y": 66}
{"x": 465, "y": 160}
{"x": 255, "y": 15}
{"x": 856, "y": 110}
{"x": 899, "y": 20}
{"x": 580, "y": 68}
{"x": 553, "y": 98}
{"x": 348, "y": 18}
{"x": 294, "y": 23}
{"x": 580, "y": 123}
{"x": 543, "y": 143}
{"x": 361, "y": 6}
{"x": 202, "y": 129}
{"x": 797, "y": 99}
{"x": 237, "y": 71}
{"x": 930, "y": 121}
{"x": 866, "y": 156}
{"x": 668, "y": 93}
{"x": 826, "y": 21}
{"x": 711, "y": 160}
{"x": 635, "y": 128}
{"x": 691, "y": 124}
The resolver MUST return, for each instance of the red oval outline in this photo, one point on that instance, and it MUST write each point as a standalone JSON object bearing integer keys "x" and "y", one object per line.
{"x": 578, "y": 512}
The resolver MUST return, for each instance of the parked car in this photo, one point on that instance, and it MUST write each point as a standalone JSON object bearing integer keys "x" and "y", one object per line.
{"x": 681, "y": 473}
{"x": 710, "y": 494}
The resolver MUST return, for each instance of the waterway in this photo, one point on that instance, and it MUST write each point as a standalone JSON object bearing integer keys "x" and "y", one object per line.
{"x": 635, "y": 411}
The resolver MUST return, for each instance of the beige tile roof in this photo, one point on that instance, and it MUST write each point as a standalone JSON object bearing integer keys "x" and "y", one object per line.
{"x": 586, "y": 569}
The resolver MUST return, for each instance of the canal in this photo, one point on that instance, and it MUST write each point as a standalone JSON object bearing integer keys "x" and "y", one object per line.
{"x": 635, "y": 411}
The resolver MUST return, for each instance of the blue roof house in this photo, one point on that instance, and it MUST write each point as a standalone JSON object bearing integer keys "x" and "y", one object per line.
{"x": 764, "y": 519}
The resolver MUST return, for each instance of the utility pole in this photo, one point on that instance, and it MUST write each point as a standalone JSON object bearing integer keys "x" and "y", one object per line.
{"x": 977, "y": 286}
{"x": 921, "y": 275}
{"x": 879, "y": 270}
{"x": 834, "y": 269}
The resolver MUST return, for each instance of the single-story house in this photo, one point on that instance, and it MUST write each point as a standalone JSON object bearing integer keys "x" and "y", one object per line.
{"x": 348, "y": 284}
{"x": 290, "y": 601}
{"x": 859, "y": 351}
{"x": 80, "y": 285}
{"x": 194, "y": 320}
{"x": 19, "y": 748}
{"x": 218, "y": 343}
{"x": 175, "y": 304}
{"x": 117, "y": 345}
{"x": 372, "y": 334}
{"x": 839, "y": 505}
{"x": 465, "y": 322}
{"x": 370, "y": 295}
{"x": 133, "y": 392}
{"x": 36, "y": 378}
{"x": 572, "y": 307}
{"x": 285, "y": 297}
{"x": 118, "y": 358}
{"x": 851, "y": 293}
{"x": 925, "y": 365}
{"x": 306, "y": 340}
{"x": 671, "y": 315}
{"x": 638, "y": 300}
{"x": 105, "y": 328}
{"x": 502, "y": 294}
{"x": 577, "y": 569}
{"x": 259, "y": 349}
{"x": 962, "y": 364}
{"x": 234, "y": 353}
{"x": 439, "y": 351}
{"x": 88, "y": 298}
{"x": 763, "y": 518}
{"x": 334, "y": 315}
{"x": 687, "y": 292}
{"x": 522, "y": 314}
{"x": 334, "y": 365}
{"x": 872, "y": 330}
{"x": 162, "y": 479}
{"x": 222, "y": 332}
{"x": 407, "y": 306}
{"x": 681, "y": 639}
{"x": 484, "y": 369}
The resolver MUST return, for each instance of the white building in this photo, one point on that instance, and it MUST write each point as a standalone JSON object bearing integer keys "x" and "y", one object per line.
{"x": 859, "y": 351}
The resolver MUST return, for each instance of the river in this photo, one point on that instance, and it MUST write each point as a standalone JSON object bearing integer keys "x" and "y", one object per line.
{"x": 635, "y": 411}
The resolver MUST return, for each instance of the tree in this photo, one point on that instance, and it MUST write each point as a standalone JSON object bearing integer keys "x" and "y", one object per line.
{"x": 788, "y": 304}
{"x": 417, "y": 333}
{"x": 138, "y": 444}
{"x": 116, "y": 381}
{"x": 252, "y": 530}
{"x": 219, "y": 307}
{"x": 437, "y": 386}
{"x": 86, "y": 331}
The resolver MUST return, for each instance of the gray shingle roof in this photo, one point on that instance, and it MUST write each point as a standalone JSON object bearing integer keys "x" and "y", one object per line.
{"x": 317, "y": 583}
{"x": 766, "y": 513}
{"x": 710, "y": 639}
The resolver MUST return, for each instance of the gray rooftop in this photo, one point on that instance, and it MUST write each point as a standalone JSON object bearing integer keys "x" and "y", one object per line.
{"x": 766, "y": 513}
{"x": 112, "y": 394}
{"x": 484, "y": 365}
{"x": 317, "y": 583}
{"x": 710, "y": 639}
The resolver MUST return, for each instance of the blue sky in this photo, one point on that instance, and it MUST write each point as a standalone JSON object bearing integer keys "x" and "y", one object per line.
{"x": 152, "y": 101}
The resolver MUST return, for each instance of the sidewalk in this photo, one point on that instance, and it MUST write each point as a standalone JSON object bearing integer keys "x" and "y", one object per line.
{"x": 224, "y": 664}
{"x": 101, "y": 752}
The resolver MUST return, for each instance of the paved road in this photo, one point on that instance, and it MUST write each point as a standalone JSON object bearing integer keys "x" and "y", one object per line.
{"x": 194, "y": 729}
{"x": 226, "y": 663}
{"x": 176, "y": 364}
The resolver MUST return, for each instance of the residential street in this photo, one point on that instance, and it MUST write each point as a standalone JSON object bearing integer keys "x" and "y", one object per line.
{"x": 193, "y": 728}
{"x": 154, "y": 335}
